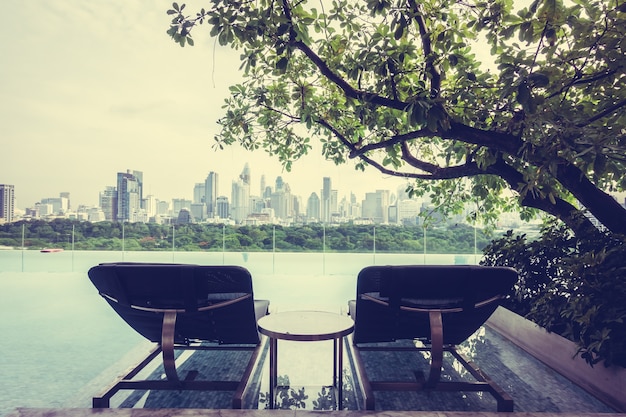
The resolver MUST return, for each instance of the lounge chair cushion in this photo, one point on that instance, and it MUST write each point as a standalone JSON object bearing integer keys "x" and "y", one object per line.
{"x": 133, "y": 290}
{"x": 426, "y": 287}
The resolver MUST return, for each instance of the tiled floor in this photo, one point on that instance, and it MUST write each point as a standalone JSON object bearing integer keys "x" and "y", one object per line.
{"x": 306, "y": 367}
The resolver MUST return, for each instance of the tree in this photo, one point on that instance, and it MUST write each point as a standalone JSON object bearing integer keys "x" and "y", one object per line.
{"x": 406, "y": 87}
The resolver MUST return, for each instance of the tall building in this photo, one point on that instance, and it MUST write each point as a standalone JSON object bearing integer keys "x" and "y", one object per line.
{"x": 179, "y": 204}
{"x": 245, "y": 174}
{"x": 198, "y": 193}
{"x": 108, "y": 203}
{"x": 149, "y": 205}
{"x": 184, "y": 216}
{"x": 60, "y": 205}
{"x": 129, "y": 195}
{"x": 375, "y": 206}
{"x": 240, "y": 198}
{"x": 67, "y": 196}
{"x": 210, "y": 193}
{"x": 334, "y": 203}
{"x": 198, "y": 211}
{"x": 313, "y": 207}
{"x": 223, "y": 209}
{"x": 326, "y": 200}
{"x": 7, "y": 202}
{"x": 240, "y": 201}
{"x": 280, "y": 204}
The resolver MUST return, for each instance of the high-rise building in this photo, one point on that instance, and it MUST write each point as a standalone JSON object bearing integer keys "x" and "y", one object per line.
{"x": 149, "y": 205}
{"x": 279, "y": 183}
{"x": 375, "y": 206}
{"x": 108, "y": 203}
{"x": 129, "y": 195}
{"x": 66, "y": 195}
{"x": 198, "y": 211}
{"x": 163, "y": 208}
{"x": 334, "y": 203}
{"x": 409, "y": 210}
{"x": 198, "y": 193}
{"x": 262, "y": 188}
{"x": 184, "y": 216}
{"x": 326, "y": 200}
{"x": 245, "y": 174}
{"x": 280, "y": 204}
{"x": 210, "y": 193}
{"x": 240, "y": 201}
{"x": 240, "y": 198}
{"x": 60, "y": 205}
{"x": 223, "y": 209}
{"x": 313, "y": 207}
{"x": 7, "y": 202}
{"x": 179, "y": 204}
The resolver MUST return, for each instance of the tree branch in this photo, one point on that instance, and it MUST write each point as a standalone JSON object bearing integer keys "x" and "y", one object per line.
{"x": 603, "y": 113}
{"x": 335, "y": 78}
{"x": 560, "y": 209}
{"x": 435, "y": 77}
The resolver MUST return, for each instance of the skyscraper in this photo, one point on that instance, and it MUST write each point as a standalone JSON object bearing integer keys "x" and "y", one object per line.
{"x": 223, "y": 209}
{"x": 240, "y": 198}
{"x": 129, "y": 195}
{"x": 108, "y": 203}
{"x": 375, "y": 206}
{"x": 7, "y": 202}
{"x": 313, "y": 207}
{"x": 210, "y": 193}
{"x": 66, "y": 195}
{"x": 245, "y": 175}
{"x": 326, "y": 200}
{"x": 198, "y": 193}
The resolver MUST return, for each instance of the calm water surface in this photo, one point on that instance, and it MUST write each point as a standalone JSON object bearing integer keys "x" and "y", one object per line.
{"x": 58, "y": 335}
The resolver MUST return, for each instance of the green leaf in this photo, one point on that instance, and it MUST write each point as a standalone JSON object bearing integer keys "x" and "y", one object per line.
{"x": 281, "y": 64}
{"x": 538, "y": 79}
{"x": 398, "y": 32}
{"x": 523, "y": 93}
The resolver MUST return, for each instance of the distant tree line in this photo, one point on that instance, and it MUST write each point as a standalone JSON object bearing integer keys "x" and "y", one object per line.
{"x": 63, "y": 233}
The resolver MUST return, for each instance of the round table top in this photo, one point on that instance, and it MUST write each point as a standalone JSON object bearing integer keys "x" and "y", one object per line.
{"x": 305, "y": 325}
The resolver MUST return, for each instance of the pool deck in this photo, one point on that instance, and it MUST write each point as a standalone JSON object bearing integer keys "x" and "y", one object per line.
{"x": 538, "y": 391}
{"x": 177, "y": 412}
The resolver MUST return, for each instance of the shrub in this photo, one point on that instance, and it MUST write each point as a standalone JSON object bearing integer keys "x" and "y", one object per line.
{"x": 570, "y": 285}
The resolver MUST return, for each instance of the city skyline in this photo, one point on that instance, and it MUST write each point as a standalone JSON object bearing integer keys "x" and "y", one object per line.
{"x": 224, "y": 189}
{"x": 93, "y": 90}
{"x": 257, "y": 185}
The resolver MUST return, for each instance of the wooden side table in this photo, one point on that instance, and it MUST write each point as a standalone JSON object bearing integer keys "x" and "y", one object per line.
{"x": 307, "y": 326}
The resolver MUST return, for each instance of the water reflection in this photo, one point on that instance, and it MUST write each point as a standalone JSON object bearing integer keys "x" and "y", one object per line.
{"x": 292, "y": 398}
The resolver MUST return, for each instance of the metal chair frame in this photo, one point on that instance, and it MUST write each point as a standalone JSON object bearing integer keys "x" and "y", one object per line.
{"x": 173, "y": 381}
{"x": 167, "y": 347}
{"x": 436, "y": 347}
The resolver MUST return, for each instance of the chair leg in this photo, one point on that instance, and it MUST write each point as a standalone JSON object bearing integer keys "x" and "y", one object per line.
{"x": 361, "y": 375}
{"x": 100, "y": 402}
{"x": 436, "y": 349}
{"x": 250, "y": 369}
{"x": 167, "y": 344}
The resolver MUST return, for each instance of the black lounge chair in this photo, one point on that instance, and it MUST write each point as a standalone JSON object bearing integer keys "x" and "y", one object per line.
{"x": 439, "y": 305}
{"x": 177, "y": 306}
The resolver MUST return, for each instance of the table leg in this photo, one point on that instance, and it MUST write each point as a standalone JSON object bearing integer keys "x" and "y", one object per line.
{"x": 339, "y": 363}
{"x": 335, "y": 347}
{"x": 273, "y": 371}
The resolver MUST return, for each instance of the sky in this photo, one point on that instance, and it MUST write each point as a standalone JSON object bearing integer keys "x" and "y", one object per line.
{"x": 92, "y": 88}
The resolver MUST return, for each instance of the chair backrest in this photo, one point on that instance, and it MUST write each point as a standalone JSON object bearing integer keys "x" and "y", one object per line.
{"x": 213, "y": 303}
{"x": 392, "y": 302}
